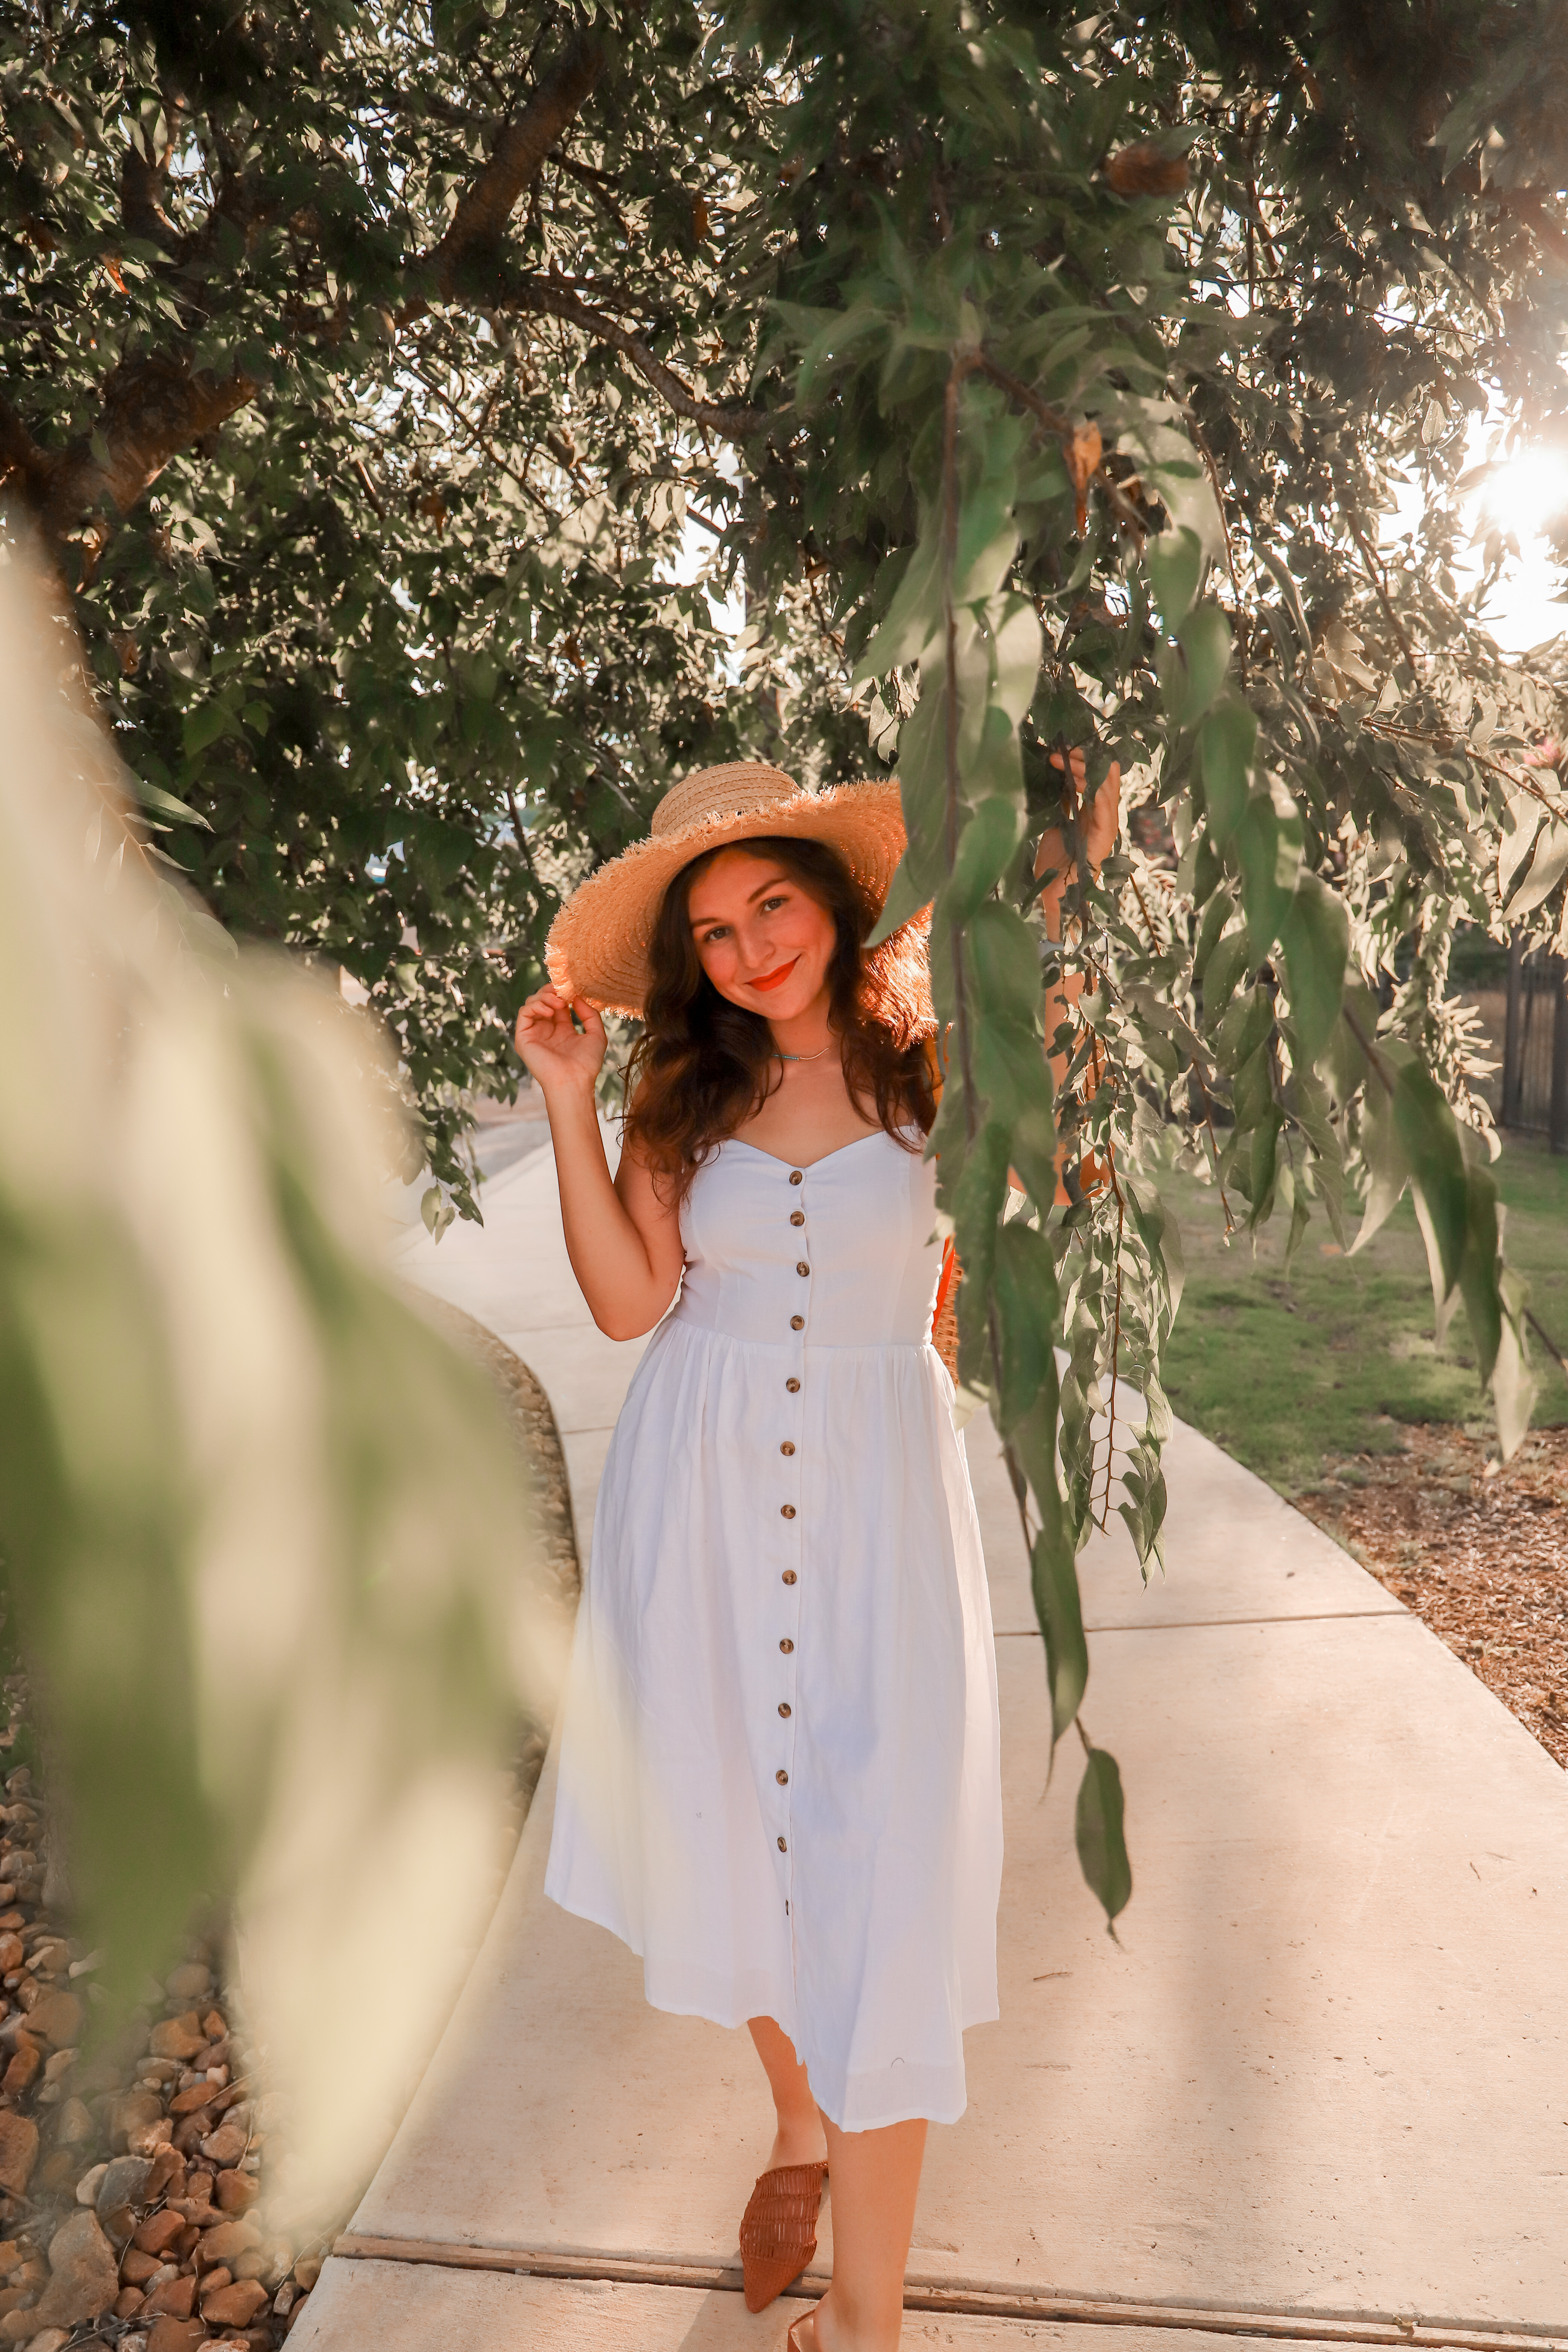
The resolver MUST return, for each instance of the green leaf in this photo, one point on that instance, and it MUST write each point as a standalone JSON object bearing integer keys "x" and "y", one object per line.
{"x": 1216, "y": 914}
{"x": 1174, "y": 563}
{"x": 1382, "y": 1150}
{"x": 1429, "y": 1135}
{"x": 1004, "y": 954}
{"x": 1480, "y": 1268}
{"x": 1204, "y": 640}
{"x": 1316, "y": 936}
{"x": 204, "y": 725}
{"x": 1547, "y": 869}
{"x": 1268, "y": 848}
{"x": 1015, "y": 655}
{"x": 976, "y": 1199}
{"x": 1014, "y": 1079}
{"x": 1513, "y": 1383}
{"x": 154, "y": 796}
{"x": 1523, "y": 821}
{"x": 1227, "y": 742}
{"x": 1099, "y": 1831}
{"x": 1225, "y": 964}
{"x": 1243, "y": 1028}
{"x": 907, "y": 896}
{"x": 1059, "y": 1608}
{"x": 985, "y": 848}
{"x": 437, "y": 1210}
{"x": 1265, "y": 1147}
{"x": 1290, "y": 596}
{"x": 1025, "y": 1287}
{"x": 914, "y": 618}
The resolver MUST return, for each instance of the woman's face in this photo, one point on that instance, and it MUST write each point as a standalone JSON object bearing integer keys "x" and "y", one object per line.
{"x": 762, "y": 942}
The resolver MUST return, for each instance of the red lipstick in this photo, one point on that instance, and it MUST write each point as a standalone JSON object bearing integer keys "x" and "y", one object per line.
{"x": 777, "y": 979}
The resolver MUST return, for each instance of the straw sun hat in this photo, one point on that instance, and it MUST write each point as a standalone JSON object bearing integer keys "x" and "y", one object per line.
{"x": 598, "y": 943}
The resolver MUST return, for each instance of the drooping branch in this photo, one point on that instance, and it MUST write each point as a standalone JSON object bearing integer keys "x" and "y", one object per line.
{"x": 549, "y": 297}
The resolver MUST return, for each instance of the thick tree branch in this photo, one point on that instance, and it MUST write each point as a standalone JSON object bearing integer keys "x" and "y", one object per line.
{"x": 516, "y": 159}
{"x": 152, "y": 409}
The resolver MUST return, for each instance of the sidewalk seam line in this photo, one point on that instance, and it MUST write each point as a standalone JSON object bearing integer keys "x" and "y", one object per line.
{"x": 1201, "y": 1624}
{"x": 1370, "y": 2328}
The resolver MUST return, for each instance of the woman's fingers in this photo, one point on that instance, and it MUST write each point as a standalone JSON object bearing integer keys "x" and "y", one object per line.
{"x": 542, "y": 1009}
{"x": 544, "y": 1000}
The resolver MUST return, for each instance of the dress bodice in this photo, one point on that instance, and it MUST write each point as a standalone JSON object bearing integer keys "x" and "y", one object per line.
{"x": 847, "y": 1245}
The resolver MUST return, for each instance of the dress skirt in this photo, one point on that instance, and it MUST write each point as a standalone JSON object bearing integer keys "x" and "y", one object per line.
{"x": 780, "y": 1777}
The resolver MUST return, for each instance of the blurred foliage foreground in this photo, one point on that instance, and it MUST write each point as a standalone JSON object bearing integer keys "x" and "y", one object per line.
{"x": 264, "y": 1532}
{"x": 1039, "y": 379}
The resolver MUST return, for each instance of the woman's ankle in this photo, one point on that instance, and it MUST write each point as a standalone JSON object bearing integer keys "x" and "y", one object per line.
{"x": 799, "y": 2139}
{"x": 859, "y": 2330}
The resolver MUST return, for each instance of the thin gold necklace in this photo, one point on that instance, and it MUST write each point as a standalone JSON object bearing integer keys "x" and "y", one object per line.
{"x": 803, "y": 1058}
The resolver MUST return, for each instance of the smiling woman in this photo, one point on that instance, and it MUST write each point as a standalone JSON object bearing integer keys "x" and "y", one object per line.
{"x": 780, "y": 1780}
{"x": 755, "y": 968}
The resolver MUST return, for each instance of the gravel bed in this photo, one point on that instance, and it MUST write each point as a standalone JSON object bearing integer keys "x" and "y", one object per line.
{"x": 1478, "y": 1552}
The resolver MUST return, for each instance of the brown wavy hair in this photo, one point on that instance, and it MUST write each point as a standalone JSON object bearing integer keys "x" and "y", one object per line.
{"x": 704, "y": 1065}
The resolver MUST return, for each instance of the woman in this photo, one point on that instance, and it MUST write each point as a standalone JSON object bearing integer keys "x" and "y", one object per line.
{"x": 779, "y": 1777}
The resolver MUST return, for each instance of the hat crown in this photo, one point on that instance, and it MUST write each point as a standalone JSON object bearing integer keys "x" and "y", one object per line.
{"x": 715, "y": 795}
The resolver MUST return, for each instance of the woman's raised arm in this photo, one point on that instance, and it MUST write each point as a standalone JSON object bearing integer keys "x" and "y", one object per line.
{"x": 624, "y": 1242}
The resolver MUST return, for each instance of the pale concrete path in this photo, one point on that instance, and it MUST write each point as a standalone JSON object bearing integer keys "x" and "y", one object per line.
{"x": 1321, "y": 2090}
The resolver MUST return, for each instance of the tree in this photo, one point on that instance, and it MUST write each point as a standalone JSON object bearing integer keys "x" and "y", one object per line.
{"x": 1049, "y": 380}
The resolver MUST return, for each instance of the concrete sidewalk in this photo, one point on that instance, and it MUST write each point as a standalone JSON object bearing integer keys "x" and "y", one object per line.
{"x": 1320, "y": 2092}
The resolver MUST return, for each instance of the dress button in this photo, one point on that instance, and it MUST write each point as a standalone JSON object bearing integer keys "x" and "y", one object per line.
{"x": 801, "y": 1266}
{"x": 784, "y": 1707}
{"x": 797, "y": 1176}
{"x": 783, "y": 1780}
{"x": 797, "y": 1217}
{"x": 797, "y": 1322}
{"x": 786, "y": 1646}
{"x": 787, "y": 1512}
{"x": 792, "y": 1386}
{"x": 782, "y": 1848}
{"x": 789, "y": 1576}
{"x": 786, "y": 1448}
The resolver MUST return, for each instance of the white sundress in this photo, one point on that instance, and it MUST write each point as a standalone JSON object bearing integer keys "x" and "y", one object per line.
{"x": 780, "y": 1777}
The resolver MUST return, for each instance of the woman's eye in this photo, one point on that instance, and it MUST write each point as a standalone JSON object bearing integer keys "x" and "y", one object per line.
{"x": 709, "y": 937}
{"x": 769, "y": 906}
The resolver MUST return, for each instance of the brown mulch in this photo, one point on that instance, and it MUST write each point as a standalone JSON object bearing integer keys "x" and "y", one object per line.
{"x": 1480, "y": 1552}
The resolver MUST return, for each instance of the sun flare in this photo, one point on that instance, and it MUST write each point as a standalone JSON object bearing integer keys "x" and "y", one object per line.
{"x": 1525, "y": 493}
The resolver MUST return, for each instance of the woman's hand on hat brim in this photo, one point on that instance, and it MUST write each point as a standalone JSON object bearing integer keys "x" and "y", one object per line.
{"x": 555, "y": 1052}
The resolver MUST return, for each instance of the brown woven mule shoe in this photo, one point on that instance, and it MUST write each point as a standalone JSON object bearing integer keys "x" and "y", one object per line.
{"x": 778, "y": 2230}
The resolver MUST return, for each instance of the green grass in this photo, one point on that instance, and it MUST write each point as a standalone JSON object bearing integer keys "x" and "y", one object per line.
{"x": 1282, "y": 1373}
